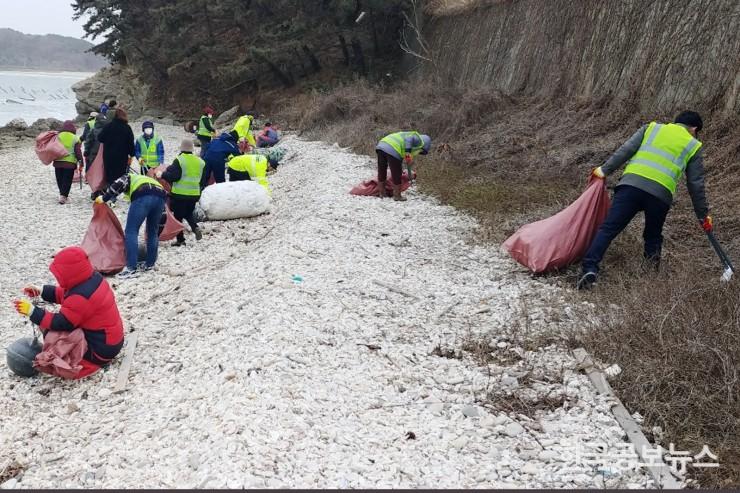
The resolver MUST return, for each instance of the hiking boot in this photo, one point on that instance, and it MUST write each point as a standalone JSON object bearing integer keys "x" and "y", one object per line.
{"x": 178, "y": 243}
{"x": 198, "y": 234}
{"x": 148, "y": 268}
{"x": 397, "y": 194}
{"x": 381, "y": 189}
{"x": 62, "y": 199}
{"x": 587, "y": 281}
{"x": 127, "y": 273}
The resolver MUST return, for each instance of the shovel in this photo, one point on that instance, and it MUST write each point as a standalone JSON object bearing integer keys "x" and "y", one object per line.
{"x": 726, "y": 263}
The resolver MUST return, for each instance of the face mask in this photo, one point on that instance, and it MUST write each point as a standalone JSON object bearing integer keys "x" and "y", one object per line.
{"x": 148, "y": 131}
{"x": 210, "y": 115}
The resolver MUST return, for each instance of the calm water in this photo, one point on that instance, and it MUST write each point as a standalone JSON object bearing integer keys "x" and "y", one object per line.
{"x": 34, "y": 95}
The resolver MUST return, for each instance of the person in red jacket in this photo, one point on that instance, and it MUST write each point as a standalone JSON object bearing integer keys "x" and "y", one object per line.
{"x": 87, "y": 302}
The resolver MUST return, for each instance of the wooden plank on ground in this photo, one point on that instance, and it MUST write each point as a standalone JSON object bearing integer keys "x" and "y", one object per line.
{"x": 660, "y": 472}
{"x": 126, "y": 365}
{"x": 391, "y": 287}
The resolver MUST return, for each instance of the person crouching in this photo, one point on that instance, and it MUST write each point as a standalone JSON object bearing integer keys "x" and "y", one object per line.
{"x": 87, "y": 302}
{"x": 185, "y": 174}
{"x": 147, "y": 204}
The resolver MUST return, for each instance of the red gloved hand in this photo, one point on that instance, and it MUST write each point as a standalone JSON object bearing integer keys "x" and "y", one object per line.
{"x": 32, "y": 291}
{"x": 707, "y": 225}
{"x": 407, "y": 159}
{"x": 24, "y": 307}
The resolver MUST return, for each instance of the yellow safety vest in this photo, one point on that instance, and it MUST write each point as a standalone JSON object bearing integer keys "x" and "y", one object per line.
{"x": 68, "y": 140}
{"x": 149, "y": 156}
{"x": 255, "y": 165}
{"x": 242, "y": 127}
{"x": 665, "y": 152}
{"x": 398, "y": 142}
{"x": 192, "y": 172}
{"x": 202, "y": 130}
{"x": 137, "y": 181}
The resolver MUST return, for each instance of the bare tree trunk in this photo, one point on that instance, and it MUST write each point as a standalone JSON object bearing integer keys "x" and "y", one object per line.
{"x": 345, "y": 50}
{"x": 312, "y": 58}
{"x": 358, "y": 56}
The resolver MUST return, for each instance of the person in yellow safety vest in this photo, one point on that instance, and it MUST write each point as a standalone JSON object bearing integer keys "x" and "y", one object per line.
{"x": 205, "y": 130}
{"x": 242, "y": 127}
{"x": 89, "y": 125}
{"x": 657, "y": 155}
{"x": 147, "y": 204}
{"x": 149, "y": 148}
{"x": 394, "y": 148}
{"x": 250, "y": 167}
{"x": 64, "y": 167}
{"x": 185, "y": 174}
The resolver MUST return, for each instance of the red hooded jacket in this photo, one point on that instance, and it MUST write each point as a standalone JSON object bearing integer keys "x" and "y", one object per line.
{"x": 87, "y": 303}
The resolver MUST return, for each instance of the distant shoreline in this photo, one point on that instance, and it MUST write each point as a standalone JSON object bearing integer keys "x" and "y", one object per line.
{"x": 40, "y": 71}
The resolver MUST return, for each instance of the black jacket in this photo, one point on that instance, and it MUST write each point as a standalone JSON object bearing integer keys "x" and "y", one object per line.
{"x": 118, "y": 140}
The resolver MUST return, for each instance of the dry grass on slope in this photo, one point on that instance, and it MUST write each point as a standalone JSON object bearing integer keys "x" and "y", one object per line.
{"x": 510, "y": 161}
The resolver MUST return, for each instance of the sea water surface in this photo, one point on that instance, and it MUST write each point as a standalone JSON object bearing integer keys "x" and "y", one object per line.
{"x": 31, "y": 95}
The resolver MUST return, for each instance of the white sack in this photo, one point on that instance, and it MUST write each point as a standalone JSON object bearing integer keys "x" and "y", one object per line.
{"x": 233, "y": 200}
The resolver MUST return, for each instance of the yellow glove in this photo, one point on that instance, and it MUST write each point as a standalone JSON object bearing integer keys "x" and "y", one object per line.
{"x": 99, "y": 199}
{"x": 24, "y": 307}
{"x": 598, "y": 173}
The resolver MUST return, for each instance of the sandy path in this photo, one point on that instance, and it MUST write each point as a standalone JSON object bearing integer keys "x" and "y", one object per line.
{"x": 243, "y": 378}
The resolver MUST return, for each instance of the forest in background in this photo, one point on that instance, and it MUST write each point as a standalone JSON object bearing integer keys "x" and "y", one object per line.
{"x": 47, "y": 52}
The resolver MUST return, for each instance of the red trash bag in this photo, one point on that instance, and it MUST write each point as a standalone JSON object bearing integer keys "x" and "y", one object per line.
{"x": 96, "y": 173}
{"x": 62, "y": 354}
{"x": 370, "y": 187}
{"x": 48, "y": 147}
{"x": 172, "y": 227}
{"x": 562, "y": 239}
{"x": 104, "y": 241}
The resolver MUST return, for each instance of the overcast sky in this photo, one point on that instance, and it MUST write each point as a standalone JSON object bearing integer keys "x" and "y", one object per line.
{"x": 40, "y": 17}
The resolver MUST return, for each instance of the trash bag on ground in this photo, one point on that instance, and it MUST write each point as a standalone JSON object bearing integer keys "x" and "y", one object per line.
{"x": 276, "y": 153}
{"x": 96, "y": 173}
{"x": 48, "y": 147}
{"x": 104, "y": 241}
{"x": 234, "y": 200}
{"x": 172, "y": 227}
{"x": 62, "y": 354}
{"x": 562, "y": 239}
{"x": 370, "y": 187}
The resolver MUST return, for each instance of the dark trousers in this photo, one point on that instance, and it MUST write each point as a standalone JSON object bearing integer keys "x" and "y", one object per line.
{"x": 218, "y": 168}
{"x": 64, "y": 180}
{"x": 183, "y": 209}
{"x": 384, "y": 161}
{"x": 235, "y": 175}
{"x": 628, "y": 201}
{"x": 204, "y": 143}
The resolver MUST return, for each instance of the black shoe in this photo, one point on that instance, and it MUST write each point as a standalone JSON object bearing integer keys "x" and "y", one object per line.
{"x": 198, "y": 234}
{"x": 587, "y": 281}
{"x": 179, "y": 243}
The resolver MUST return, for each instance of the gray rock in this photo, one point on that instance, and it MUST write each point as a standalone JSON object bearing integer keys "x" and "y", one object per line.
{"x": 227, "y": 118}
{"x": 10, "y": 484}
{"x": 547, "y": 455}
{"x": 513, "y": 429}
{"x": 530, "y": 468}
{"x": 470, "y": 411}
{"x": 436, "y": 408}
{"x": 459, "y": 443}
{"x": 510, "y": 382}
{"x": 16, "y": 124}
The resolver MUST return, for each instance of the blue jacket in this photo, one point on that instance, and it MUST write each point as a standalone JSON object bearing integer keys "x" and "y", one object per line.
{"x": 103, "y": 108}
{"x": 220, "y": 149}
{"x": 160, "y": 149}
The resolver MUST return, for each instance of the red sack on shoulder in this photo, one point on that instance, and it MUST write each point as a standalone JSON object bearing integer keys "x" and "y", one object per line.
{"x": 370, "y": 187}
{"x": 96, "y": 174}
{"x": 48, "y": 147}
{"x": 172, "y": 227}
{"x": 562, "y": 239}
{"x": 104, "y": 241}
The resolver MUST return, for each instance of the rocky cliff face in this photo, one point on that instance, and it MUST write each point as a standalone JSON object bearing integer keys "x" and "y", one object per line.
{"x": 662, "y": 55}
{"x": 121, "y": 84}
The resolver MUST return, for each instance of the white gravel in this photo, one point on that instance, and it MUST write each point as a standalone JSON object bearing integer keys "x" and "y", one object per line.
{"x": 244, "y": 378}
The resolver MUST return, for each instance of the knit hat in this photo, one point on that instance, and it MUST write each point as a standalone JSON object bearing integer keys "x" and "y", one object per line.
{"x": 187, "y": 145}
{"x": 69, "y": 126}
{"x": 208, "y": 110}
{"x": 147, "y": 124}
